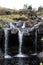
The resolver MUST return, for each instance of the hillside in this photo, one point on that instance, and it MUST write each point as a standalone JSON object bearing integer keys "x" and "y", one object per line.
{"x": 12, "y": 15}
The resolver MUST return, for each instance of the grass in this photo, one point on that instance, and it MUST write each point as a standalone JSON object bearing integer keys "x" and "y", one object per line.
{"x": 10, "y": 18}
{"x": 16, "y": 15}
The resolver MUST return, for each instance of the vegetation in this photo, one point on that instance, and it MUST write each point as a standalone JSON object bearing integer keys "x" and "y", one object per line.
{"x": 40, "y": 11}
{"x": 10, "y": 15}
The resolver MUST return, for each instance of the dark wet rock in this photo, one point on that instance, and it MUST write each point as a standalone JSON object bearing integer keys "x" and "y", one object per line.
{"x": 14, "y": 23}
{"x": 34, "y": 60}
{"x": 19, "y": 24}
{"x": 40, "y": 56}
{"x": 1, "y": 54}
{"x": 13, "y": 43}
{"x": 28, "y": 45}
{"x": 32, "y": 15}
{"x": 2, "y": 39}
{"x": 38, "y": 19}
{"x": 2, "y": 61}
{"x": 39, "y": 43}
{"x": 14, "y": 31}
{"x": 26, "y": 31}
{"x": 40, "y": 37}
{"x": 1, "y": 43}
{"x": 27, "y": 24}
{"x": 40, "y": 30}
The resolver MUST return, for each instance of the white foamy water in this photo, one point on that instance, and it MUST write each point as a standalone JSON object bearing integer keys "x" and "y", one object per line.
{"x": 6, "y": 43}
{"x": 7, "y": 56}
{"x": 23, "y": 25}
{"x": 11, "y": 25}
{"x": 20, "y": 41}
{"x": 20, "y": 55}
{"x": 6, "y": 40}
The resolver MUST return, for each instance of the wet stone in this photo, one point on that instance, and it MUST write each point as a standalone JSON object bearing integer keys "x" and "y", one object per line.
{"x": 1, "y": 43}
{"x": 14, "y": 31}
{"x": 13, "y": 42}
{"x": 28, "y": 45}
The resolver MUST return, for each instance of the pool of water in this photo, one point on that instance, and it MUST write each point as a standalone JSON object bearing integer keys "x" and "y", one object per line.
{"x": 20, "y": 61}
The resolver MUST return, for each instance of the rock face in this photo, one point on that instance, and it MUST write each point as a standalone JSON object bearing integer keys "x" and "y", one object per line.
{"x": 40, "y": 55}
{"x": 28, "y": 38}
{"x": 28, "y": 45}
{"x": 13, "y": 42}
{"x": 40, "y": 37}
{"x": 1, "y": 42}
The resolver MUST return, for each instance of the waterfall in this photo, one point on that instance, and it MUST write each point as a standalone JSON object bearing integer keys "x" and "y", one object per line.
{"x": 20, "y": 38}
{"x": 6, "y": 43}
{"x": 36, "y": 41}
{"x": 23, "y": 25}
{"x": 6, "y": 40}
{"x": 20, "y": 34}
{"x": 36, "y": 28}
{"x": 11, "y": 25}
{"x": 20, "y": 41}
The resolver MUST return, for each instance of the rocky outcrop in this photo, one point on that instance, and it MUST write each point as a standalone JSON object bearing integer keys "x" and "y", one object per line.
{"x": 13, "y": 42}
{"x": 28, "y": 46}
{"x": 1, "y": 43}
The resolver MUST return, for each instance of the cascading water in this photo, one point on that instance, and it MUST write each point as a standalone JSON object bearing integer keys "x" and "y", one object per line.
{"x": 11, "y": 25}
{"x": 6, "y": 43}
{"x": 20, "y": 34}
{"x": 36, "y": 26}
{"x": 36, "y": 41}
{"x": 23, "y": 25}
{"x": 20, "y": 41}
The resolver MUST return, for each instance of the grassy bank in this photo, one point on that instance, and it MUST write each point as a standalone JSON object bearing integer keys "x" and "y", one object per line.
{"x": 12, "y": 15}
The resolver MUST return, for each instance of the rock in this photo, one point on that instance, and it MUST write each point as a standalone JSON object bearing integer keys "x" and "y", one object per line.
{"x": 19, "y": 24}
{"x": 40, "y": 55}
{"x": 1, "y": 54}
{"x": 28, "y": 46}
{"x": 38, "y": 19}
{"x": 32, "y": 15}
{"x": 13, "y": 43}
{"x": 14, "y": 30}
{"x": 2, "y": 41}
